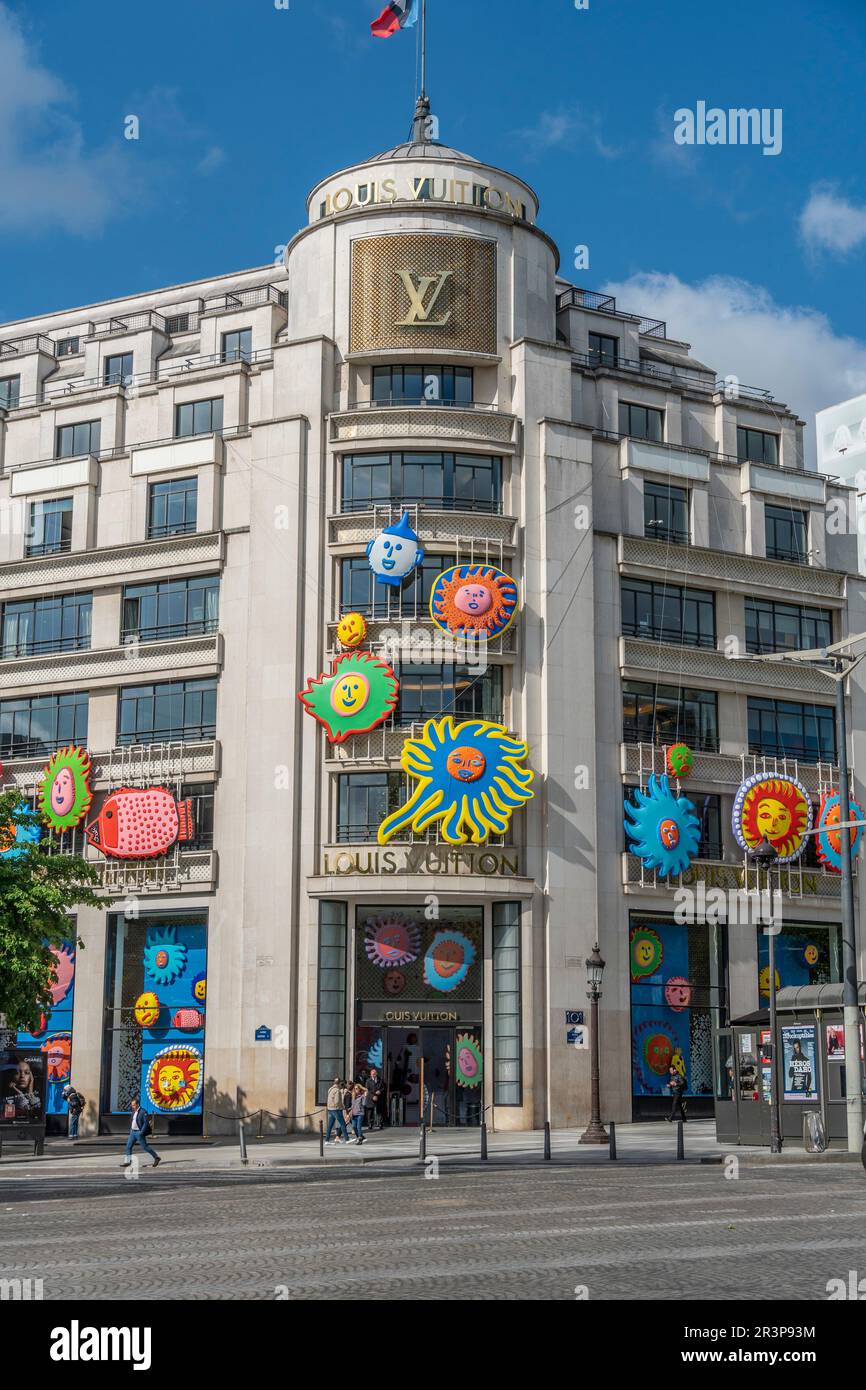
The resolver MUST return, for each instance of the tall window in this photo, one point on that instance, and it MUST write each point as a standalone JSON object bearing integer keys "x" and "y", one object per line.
{"x": 709, "y": 812}
{"x": 171, "y": 608}
{"x": 49, "y": 528}
{"x": 201, "y": 794}
{"x": 178, "y": 710}
{"x": 364, "y": 799}
{"x": 118, "y": 369}
{"x": 603, "y": 352}
{"x": 668, "y": 613}
{"x": 666, "y": 513}
{"x": 331, "y": 1011}
{"x": 640, "y": 421}
{"x": 238, "y": 345}
{"x": 41, "y": 724}
{"x": 60, "y": 623}
{"x": 663, "y": 714}
{"x": 426, "y": 691}
{"x": 198, "y": 417}
{"x": 787, "y": 729}
{"x": 171, "y": 507}
{"x": 785, "y": 534}
{"x": 74, "y": 440}
{"x": 414, "y": 385}
{"x": 506, "y": 1004}
{"x": 10, "y": 392}
{"x": 360, "y": 592}
{"x": 468, "y": 482}
{"x": 756, "y": 446}
{"x": 772, "y": 627}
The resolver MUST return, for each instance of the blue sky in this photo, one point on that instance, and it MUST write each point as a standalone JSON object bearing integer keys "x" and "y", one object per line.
{"x": 760, "y": 260}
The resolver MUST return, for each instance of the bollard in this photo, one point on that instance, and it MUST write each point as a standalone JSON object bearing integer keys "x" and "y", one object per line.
{"x": 243, "y": 1142}
{"x": 681, "y": 1150}
{"x": 261, "y": 1124}
{"x": 321, "y": 1140}
{"x": 547, "y": 1139}
{"x": 204, "y": 1125}
{"x": 611, "y": 1132}
{"x": 484, "y": 1139}
{"x": 422, "y": 1145}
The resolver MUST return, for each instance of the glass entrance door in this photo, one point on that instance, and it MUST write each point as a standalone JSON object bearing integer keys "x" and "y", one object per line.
{"x": 452, "y": 1075}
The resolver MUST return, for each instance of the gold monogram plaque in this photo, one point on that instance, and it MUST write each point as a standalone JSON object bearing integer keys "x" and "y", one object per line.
{"x": 423, "y": 290}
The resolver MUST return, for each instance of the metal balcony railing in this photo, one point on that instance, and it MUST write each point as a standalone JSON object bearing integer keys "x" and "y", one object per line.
{"x": 33, "y": 342}
{"x": 606, "y": 304}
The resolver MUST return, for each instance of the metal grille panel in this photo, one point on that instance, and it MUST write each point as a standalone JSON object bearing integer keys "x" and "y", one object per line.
{"x": 380, "y": 300}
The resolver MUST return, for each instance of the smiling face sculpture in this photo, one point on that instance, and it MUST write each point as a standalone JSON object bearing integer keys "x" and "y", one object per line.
{"x": 359, "y": 692}
{"x": 64, "y": 793}
{"x": 776, "y": 807}
{"x": 474, "y": 601}
{"x": 448, "y": 961}
{"x": 663, "y": 829}
{"x": 395, "y": 552}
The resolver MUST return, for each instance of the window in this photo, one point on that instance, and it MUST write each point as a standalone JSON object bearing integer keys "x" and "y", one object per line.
{"x": 118, "y": 369}
{"x": 177, "y": 323}
{"x": 331, "y": 1011}
{"x": 603, "y": 353}
{"x": 360, "y": 592}
{"x": 171, "y": 507}
{"x": 666, "y": 513}
{"x": 10, "y": 392}
{"x": 74, "y": 440}
{"x": 179, "y": 710}
{"x": 38, "y": 726}
{"x": 709, "y": 812}
{"x": 198, "y": 417}
{"x": 422, "y": 385}
{"x": 785, "y": 534}
{"x": 68, "y": 347}
{"x": 238, "y": 345}
{"x": 668, "y": 613}
{"x": 664, "y": 714}
{"x": 755, "y": 446}
{"x": 772, "y": 627}
{"x": 506, "y": 1004}
{"x": 469, "y": 482}
{"x": 786, "y": 729}
{"x": 364, "y": 799}
{"x": 49, "y": 530}
{"x": 60, "y": 623}
{"x": 426, "y": 691}
{"x": 201, "y": 794}
{"x": 171, "y": 608}
{"x": 640, "y": 421}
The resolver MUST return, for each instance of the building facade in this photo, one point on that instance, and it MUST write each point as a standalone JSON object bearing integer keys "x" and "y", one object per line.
{"x": 191, "y": 479}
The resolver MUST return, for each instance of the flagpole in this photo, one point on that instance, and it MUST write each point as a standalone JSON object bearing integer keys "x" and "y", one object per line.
{"x": 423, "y": 48}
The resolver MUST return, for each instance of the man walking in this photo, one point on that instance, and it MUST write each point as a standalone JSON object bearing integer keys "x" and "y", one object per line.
{"x": 374, "y": 1099}
{"x": 676, "y": 1086}
{"x": 138, "y": 1131}
{"x": 335, "y": 1112}
{"x": 74, "y": 1105}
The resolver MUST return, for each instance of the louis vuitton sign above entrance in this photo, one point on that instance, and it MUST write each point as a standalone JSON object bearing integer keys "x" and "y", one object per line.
{"x": 423, "y": 290}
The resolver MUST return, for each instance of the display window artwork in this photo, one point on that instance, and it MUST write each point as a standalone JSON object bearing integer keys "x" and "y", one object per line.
{"x": 829, "y": 838}
{"x": 198, "y": 986}
{"x": 165, "y": 957}
{"x": 17, "y": 838}
{"x": 805, "y": 954}
{"x": 678, "y": 993}
{"x": 53, "y": 1034}
{"x": 646, "y": 952}
{"x": 174, "y": 1079}
{"x": 680, "y": 760}
{"x": 187, "y": 1020}
{"x": 359, "y": 692}
{"x": 764, "y": 982}
{"x": 351, "y": 629}
{"x": 395, "y": 552}
{"x": 474, "y": 601}
{"x": 448, "y": 960}
{"x": 663, "y": 829}
{"x": 58, "y": 1057}
{"x": 64, "y": 973}
{"x": 778, "y": 807}
{"x": 64, "y": 794}
{"x": 392, "y": 941}
{"x": 394, "y": 982}
{"x": 146, "y": 1009}
{"x": 673, "y": 1015}
{"x": 140, "y": 824}
{"x": 173, "y": 958}
{"x": 470, "y": 779}
{"x": 468, "y": 1060}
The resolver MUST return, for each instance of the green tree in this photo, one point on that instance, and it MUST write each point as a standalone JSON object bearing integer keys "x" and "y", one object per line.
{"x": 38, "y": 891}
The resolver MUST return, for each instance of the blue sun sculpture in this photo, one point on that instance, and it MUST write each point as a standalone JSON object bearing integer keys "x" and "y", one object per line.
{"x": 164, "y": 956}
{"x": 17, "y": 837}
{"x": 663, "y": 828}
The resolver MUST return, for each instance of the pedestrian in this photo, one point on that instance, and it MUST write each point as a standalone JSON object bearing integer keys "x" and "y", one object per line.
{"x": 138, "y": 1132}
{"x": 375, "y": 1098}
{"x": 348, "y": 1093}
{"x": 359, "y": 1097}
{"x": 335, "y": 1112}
{"x": 676, "y": 1086}
{"x": 74, "y": 1106}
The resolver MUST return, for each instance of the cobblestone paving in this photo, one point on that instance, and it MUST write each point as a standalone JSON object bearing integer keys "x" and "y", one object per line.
{"x": 672, "y": 1233}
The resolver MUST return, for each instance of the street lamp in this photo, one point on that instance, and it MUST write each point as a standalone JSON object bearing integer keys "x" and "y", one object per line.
{"x": 595, "y": 1132}
{"x": 764, "y": 857}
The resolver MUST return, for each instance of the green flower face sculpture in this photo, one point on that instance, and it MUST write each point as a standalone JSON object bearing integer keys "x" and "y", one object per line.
{"x": 358, "y": 694}
{"x": 64, "y": 793}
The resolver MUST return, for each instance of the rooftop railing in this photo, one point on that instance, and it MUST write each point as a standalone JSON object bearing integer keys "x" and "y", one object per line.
{"x": 606, "y": 304}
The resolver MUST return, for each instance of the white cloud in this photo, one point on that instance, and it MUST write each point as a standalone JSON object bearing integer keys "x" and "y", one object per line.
{"x": 211, "y": 160}
{"x": 738, "y": 329}
{"x": 830, "y": 223}
{"x": 564, "y": 129}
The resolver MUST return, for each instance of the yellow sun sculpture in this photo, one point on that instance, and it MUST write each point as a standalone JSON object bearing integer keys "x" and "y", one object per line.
{"x": 474, "y": 601}
{"x": 470, "y": 779}
{"x": 778, "y": 807}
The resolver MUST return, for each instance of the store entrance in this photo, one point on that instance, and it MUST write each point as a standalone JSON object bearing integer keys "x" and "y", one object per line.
{"x": 442, "y": 1064}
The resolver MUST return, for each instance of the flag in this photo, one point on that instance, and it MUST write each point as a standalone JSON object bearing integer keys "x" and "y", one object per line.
{"x": 397, "y": 14}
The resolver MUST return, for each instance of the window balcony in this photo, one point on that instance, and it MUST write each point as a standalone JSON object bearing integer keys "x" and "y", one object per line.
{"x": 640, "y": 657}
{"x": 157, "y": 557}
{"x": 796, "y": 881}
{"x": 125, "y": 765}
{"x": 638, "y": 760}
{"x": 416, "y": 634}
{"x": 478, "y": 536}
{"x": 435, "y": 424}
{"x": 97, "y": 667}
{"x": 747, "y": 574}
{"x": 179, "y": 871}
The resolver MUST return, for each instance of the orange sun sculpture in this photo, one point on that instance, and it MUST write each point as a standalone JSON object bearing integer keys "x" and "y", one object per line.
{"x": 778, "y": 807}
{"x": 474, "y": 601}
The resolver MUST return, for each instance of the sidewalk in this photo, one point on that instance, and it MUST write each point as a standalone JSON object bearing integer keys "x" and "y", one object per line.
{"x": 646, "y": 1143}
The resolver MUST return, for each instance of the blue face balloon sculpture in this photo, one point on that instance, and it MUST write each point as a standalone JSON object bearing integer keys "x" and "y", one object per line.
{"x": 395, "y": 552}
{"x": 663, "y": 828}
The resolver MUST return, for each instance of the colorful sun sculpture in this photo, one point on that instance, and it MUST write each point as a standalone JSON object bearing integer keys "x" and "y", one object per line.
{"x": 174, "y": 1078}
{"x": 680, "y": 760}
{"x": 778, "y": 807}
{"x": 164, "y": 956}
{"x": 469, "y": 777}
{"x": 474, "y": 601}
{"x": 646, "y": 952}
{"x": 351, "y": 629}
{"x": 146, "y": 1009}
{"x": 658, "y": 1051}
{"x": 764, "y": 981}
{"x": 678, "y": 993}
{"x": 663, "y": 828}
{"x": 395, "y": 552}
{"x": 58, "y": 1056}
{"x": 64, "y": 973}
{"x": 811, "y": 954}
{"x": 829, "y": 839}
{"x": 470, "y": 1061}
{"x": 448, "y": 960}
{"x": 391, "y": 941}
{"x": 198, "y": 986}
{"x": 18, "y": 836}
{"x": 358, "y": 693}
{"x": 64, "y": 793}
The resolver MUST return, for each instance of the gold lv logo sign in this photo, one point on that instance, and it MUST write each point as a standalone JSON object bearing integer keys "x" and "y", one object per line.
{"x": 419, "y": 312}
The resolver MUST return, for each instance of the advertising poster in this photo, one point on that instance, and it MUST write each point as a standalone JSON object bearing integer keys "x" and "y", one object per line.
{"x": 799, "y": 1062}
{"x": 22, "y": 1086}
{"x": 836, "y": 1042}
